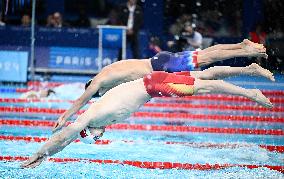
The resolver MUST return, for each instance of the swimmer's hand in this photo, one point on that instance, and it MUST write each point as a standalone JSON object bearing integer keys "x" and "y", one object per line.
{"x": 33, "y": 161}
{"x": 59, "y": 124}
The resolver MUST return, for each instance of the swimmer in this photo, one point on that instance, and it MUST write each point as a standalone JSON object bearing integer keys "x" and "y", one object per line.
{"x": 70, "y": 91}
{"x": 128, "y": 70}
{"x": 120, "y": 102}
{"x": 32, "y": 94}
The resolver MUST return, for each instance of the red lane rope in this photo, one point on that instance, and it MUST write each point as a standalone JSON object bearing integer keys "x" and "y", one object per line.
{"x": 16, "y": 100}
{"x": 153, "y": 114}
{"x": 149, "y": 164}
{"x": 48, "y": 84}
{"x": 197, "y": 129}
{"x": 22, "y": 90}
{"x": 272, "y": 148}
{"x": 273, "y": 92}
{"x": 158, "y": 105}
{"x": 51, "y": 85}
{"x": 173, "y": 115}
{"x": 177, "y": 105}
{"x": 156, "y": 127}
{"x": 216, "y": 98}
{"x": 184, "y": 99}
{"x": 183, "y": 116}
{"x": 33, "y": 110}
{"x": 214, "y": 107}
{"x": 37, "y": 83}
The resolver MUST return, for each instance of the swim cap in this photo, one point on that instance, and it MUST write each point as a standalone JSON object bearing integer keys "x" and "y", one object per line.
{"x": 87, "y": 137}
{"x": 88, "y": 84}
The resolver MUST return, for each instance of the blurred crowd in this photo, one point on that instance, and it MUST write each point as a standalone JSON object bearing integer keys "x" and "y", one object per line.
{"x": 186, "y": 22}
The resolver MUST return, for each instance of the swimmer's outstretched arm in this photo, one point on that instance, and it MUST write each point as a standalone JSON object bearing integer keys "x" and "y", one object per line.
{"x": 78, "y": 104}
{"x": 57, "y": 142}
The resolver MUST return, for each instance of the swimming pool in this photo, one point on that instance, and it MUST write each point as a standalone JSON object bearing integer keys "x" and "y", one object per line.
{"x": 212, "y": 136}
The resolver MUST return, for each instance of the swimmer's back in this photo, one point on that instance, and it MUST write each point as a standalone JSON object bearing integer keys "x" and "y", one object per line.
{"x": 124, "y": 71}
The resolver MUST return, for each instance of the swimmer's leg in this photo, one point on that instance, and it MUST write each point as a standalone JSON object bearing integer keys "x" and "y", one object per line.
{"x": 240, "y": 45}
{"x": 219, "y": 55}
{"x": 220, "y": 72}
{"x": 222, "y": 47}
{"x": 168, "y": 84}
{"x": 222, "y": 87}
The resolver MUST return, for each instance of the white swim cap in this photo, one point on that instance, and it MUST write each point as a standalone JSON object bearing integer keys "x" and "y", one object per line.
{"x": 87, "y": 137}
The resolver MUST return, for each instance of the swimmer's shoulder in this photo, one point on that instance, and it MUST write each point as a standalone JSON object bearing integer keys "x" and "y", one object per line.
{"x": 122, "y": 64}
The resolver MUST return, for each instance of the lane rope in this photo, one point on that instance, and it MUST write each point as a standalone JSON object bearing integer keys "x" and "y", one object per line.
{"x": 160, "y": 99}
{"x": 206, "y": 117}
{"x": 149, "y": 164}
{"x": 142, "y": 127}
{"x": 170, "y": 115}
{"x": 156, "y": 105}
{"x": 272, "y": 148}
{"x": 278, "y": 93}
{"x": 214, "y": 107}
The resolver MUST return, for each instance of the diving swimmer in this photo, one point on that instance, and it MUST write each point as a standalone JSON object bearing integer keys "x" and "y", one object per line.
{"x": 120, "y": 102}
{"x": 128, "y": 70}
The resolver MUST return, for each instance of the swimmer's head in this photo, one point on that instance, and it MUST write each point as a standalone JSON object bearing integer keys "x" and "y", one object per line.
{"x": 46, "y": 93}
{"x": 50, "y": 92}
{"x": 90, "y": 135}
{"x": 88, "y": 83}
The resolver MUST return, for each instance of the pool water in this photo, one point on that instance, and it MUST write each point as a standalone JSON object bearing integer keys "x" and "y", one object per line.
{"x": 158, "y": 141}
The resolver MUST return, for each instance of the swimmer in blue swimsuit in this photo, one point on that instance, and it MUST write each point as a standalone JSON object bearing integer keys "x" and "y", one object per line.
{"x": 132, "y": 69}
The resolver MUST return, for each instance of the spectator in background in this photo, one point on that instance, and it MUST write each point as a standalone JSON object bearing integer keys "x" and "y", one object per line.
{"x": 1, "y": 21}
{"x": 188, "y": 39}
{"x": 26, "y": 20}
{"x": 193, "y": 38}
{"x": 258, "y": 36}
{"x": 154, "y": 46}
{"x": 58, "y": 20}
{"x": 3, "y": 12}
{"x": 177, "y": 27}
{"x": 50, "y": 21}
{"x": 131, "y": 15}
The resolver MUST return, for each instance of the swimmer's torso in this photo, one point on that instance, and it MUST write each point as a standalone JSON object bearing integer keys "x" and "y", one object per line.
{"x": 128, "y": 70}
{"x": 123, "y": 71}
{"x": 119, "y": 103}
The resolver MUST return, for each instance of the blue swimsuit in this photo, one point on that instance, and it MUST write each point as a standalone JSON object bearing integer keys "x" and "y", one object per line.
{"x": 174, "y": 62}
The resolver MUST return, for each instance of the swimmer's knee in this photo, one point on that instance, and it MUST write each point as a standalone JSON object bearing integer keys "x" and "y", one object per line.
{"x": 207, "y": 86}
{"x": 211, "y": 73}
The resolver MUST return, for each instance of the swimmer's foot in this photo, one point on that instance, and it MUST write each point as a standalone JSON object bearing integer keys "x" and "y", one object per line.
{"x": 256, "y": 70}
{"x": 254, "y": 49}
{"x": 248, "y": 42}
{"x": 258, "y": 97}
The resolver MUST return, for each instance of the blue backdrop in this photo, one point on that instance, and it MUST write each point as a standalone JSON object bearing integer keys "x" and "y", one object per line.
{"x": 13, "y": 66}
